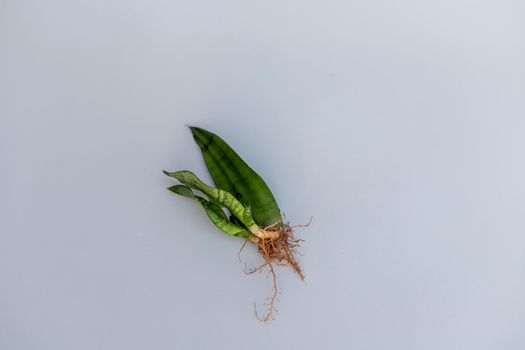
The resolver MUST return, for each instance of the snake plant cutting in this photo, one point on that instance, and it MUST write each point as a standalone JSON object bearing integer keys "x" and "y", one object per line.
{"x": 253, "y": 213}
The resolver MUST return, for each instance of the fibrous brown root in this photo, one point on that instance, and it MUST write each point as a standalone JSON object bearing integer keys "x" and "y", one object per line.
{"x": 277, "y": 251}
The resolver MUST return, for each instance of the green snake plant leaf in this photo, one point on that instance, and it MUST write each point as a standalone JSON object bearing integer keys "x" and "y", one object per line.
{"x": 220, "y": 197}
{"x": 214, "y": 212}
{"x": 232, "y": 174}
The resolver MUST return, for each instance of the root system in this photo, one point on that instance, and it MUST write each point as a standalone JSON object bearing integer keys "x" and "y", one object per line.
{"x": 280, "y": 249}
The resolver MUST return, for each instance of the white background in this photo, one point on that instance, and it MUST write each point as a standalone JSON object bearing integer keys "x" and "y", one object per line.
{"x": 399, "y": 125}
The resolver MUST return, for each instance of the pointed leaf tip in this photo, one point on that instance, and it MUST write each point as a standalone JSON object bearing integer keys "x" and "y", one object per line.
{"x": 182, "y": 190}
